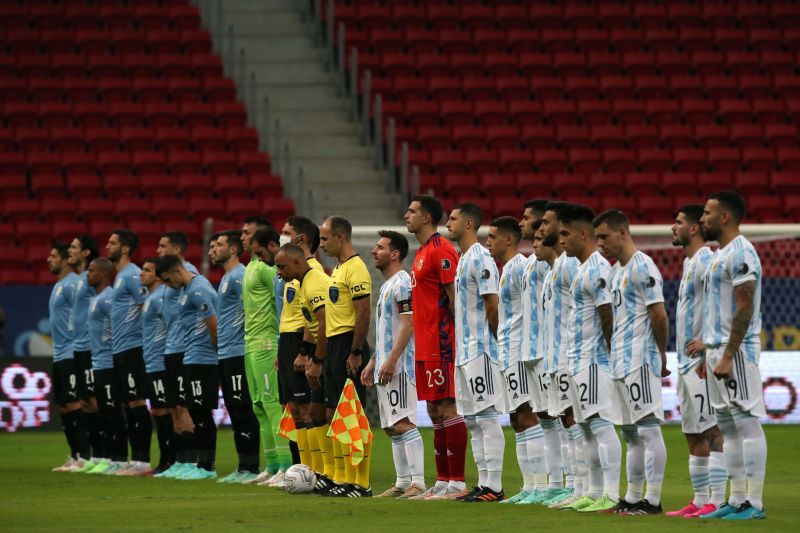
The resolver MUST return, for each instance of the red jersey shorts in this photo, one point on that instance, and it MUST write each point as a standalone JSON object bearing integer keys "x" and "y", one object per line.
{"x": 435, "y": 380}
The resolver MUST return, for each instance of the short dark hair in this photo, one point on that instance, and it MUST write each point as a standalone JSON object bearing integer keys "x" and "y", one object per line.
{"x": 264, "y": 236}
{"x": 537, "y": 205}
{"x": 731, "y": 201}
{"x": 693, "y": 212}
{"x": 508, "y": 225}
{"x": 127, "y": 238}
{"x": 166, "y": 263}
{"x": 536, "y": 225}
{"x": 557, "y": 207}
{"x": 431, "y": 205}
{"x": 615, "y": 219}
{"x": 89, "y": 243}
{"x": 153, "y": 260}
{"x": 304, "y": 226}
{"x": 214, "y": 236}
{"x": 233, "y": 238}
{"x": 62, "y": 248}
{"x": 293, "y": 249}
{"x": 471, "y": 211}
{"x": 340, "y": 224}
{"x": 577, "y": 213}
{"x": 397, "y": 242}
{"x": 259, "y": 221}
{"x": 177, "y": 238}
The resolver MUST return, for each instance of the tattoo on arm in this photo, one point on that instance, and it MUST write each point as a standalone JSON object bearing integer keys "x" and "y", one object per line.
{"x": 714, "y": 438}
{"x": 743, "y": 296}
{"x": 607, "y": 322}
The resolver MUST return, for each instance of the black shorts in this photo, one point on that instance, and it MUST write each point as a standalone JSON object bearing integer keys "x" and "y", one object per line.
{"x": 83, "y": 367}
{"x": 131, "y": 376}
{"x": 293, "y": 386}
{"x": 65, "y": 382}
{"x": 176, "y": 388}
{"x": 202, "y": 385}
{"x": 233, "y": 380}
{"x": 157, "y": 389}
{"x": 336, "y": 368}
{"x": 105, "y": 382}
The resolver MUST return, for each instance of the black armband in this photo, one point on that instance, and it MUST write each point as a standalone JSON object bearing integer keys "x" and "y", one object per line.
{"x": 307, "y": 348}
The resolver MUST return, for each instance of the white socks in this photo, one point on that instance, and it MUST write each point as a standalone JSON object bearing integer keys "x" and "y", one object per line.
{"x": 754, "y": 451}
{"x": 634, "y": 463}
{"x": 400, "y": 463}
{"x": 734, "y": 457}
{"x": 577, "y": 465}
{"x": 610, "y": 451}
{"x": 476, "y": 439}
{"x": 593, "y": 482}
{"x": 655, "y": 457}
{"x": 717, "y": 477}
{"x": 494, "y": 444}
{"x": 536, "y": 456}
{"x": 698, "y": 473}
{"x": 415, "y": 456}
{"x": 552, "y": 452}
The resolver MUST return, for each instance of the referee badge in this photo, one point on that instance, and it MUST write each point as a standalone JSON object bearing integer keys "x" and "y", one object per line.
{"x": 290, "y": 294}
{"x": 333, "y": 293}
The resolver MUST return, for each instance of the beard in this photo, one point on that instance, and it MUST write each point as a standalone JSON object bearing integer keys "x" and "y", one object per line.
{"x": 710, "y": 234}
{"x": 550, "y": 240}
{"x": 114, "y": 256}
{"x": 678, "y": 241}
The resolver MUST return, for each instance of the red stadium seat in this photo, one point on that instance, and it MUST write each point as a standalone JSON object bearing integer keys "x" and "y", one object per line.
{"x": 83, "y": 185}
{"x": 765, "y": 208}
{"x": 533, "y": 185}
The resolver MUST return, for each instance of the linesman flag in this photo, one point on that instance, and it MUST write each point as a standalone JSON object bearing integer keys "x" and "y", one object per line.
{"x": 287, "y": 429}
{"x": 350, "y": 425}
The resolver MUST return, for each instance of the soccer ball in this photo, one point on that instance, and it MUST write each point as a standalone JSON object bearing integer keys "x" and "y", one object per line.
{"x": 300, "y": 479}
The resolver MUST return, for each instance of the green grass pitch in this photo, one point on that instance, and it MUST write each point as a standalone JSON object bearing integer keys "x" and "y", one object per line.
{"x": 33, "y": 498}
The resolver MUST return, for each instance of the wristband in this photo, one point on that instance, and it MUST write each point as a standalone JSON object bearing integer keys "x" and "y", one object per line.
{"x": 357, "y": 352}
{"x": 306, "y": 348}
{"x": 317, "y": 360}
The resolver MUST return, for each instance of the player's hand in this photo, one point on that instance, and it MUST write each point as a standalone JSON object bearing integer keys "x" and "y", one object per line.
{"x": 664, "y": 370}
{"x": 353, "y": 365}
{"x": 701, "y": 369}
{"x": 695, "y": 348}
{"x": 386, "y": 372}
{"x": 300, "y": 363}
{"x": 724, "y": 367}
{"x": 368, "y": 374}
{"x": 313, "y": 374}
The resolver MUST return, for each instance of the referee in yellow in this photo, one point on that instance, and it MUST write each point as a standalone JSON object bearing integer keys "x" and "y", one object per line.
{"x": 347, "y": 322}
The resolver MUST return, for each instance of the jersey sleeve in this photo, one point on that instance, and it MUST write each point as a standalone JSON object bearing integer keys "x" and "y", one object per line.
{"x": 743, "y": 266}
{"x": 446, "y": 263}
{"x": 601, "y": 281}
{"x": 359, "y": 282}
{"x": 650, "y": 283}
{"x": 134, "y": 286}
{"x": 204, "y": 302}
{"x": 487, "y": 276}
{"x": 316, "y": 292}
{"x": 402, "y": 297}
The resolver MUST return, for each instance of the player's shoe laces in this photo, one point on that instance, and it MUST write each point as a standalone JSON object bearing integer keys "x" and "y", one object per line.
{"x": 704, "y": 510}
{"x": 724, "y": 510}
{"x": 558, "y": 496}
{"x": 569, "y": 500}
{"x": 518, "y": 497}
{"x": 263, "y": 476}
{"x": 66, "y": 467}
{"x": 100, "y": 467}
{"x": 392, "y": 492}
{"x": 432, "y": 492}
{"x": 581, "y": 503}
{"x": 485, "y": 494}
{"x": 746, "y": 511}
{"x": 686, "y": 511}
{"x": 534, "y": 497}
{"x": 324, "y": 484}
{"x": 412, "y": 492}
{"x": 603, "y": 503}
{"x": 357, "y": 491}
{"x": 643, "y": 508}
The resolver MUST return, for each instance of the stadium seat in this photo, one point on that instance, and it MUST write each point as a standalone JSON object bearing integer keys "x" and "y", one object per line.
{"x": 534, "y": 185}
{"x": 655, "y": 209}
{"x": 748, "y": 183}
{"x": 83, "y": 185}
{"x": 765, "y": 208}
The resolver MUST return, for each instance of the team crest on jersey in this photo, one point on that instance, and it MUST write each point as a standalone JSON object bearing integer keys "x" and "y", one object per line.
{"x": 224, "y": 287}
{"x": 651, "y": 281}
{"x": 146, "y": 306}
{"x": 93, "y": 306}
{"x": 486, "y": 274}
{"x": 446, "y": 265}
{"x": 419, "y": 263}
{"x": 306, "y": 314}
{"x": 118, "y": 283}
{"x": 183, "y": 299}
{"x": 744, "y": 269}
{"x": 290, "y": 292}
{"x": 601, "y": 283}
{"x": 333, "y": 293}
{"x": 59, "y": 290}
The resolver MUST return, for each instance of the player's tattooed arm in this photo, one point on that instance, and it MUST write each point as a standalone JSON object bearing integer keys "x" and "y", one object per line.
{"x": 607, "y": 322}
{"x": 491, "y": 301}
{"x": 743, "y": 297}
{"x": 660, "y": 324}
{"x": 714, "y": 438}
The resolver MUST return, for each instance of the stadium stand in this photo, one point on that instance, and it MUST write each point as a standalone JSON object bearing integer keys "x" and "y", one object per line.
{"x": 116, "y": 114}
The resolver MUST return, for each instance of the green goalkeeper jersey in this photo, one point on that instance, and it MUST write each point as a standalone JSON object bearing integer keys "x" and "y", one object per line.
{"x": 258, "y": 299}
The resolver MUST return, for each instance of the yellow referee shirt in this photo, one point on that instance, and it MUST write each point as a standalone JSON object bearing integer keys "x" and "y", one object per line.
{"x": 291, "y": 315}
{"x": 312, "y": 294}
{"x": 349, "y": 281}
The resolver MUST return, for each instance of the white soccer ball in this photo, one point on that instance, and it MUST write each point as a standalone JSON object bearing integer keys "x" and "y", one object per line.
{"x": 300, "y": 479}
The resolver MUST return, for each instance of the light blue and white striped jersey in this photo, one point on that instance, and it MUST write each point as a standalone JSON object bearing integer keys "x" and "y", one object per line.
{"x": 154, "y": 330}
{"x": 80, "y": 309}
{"x": 127, "y": 297}
{"x": 99, "y": 326}
{"x": 394, "y": 300}
{"x": 509, "y": 312}
{"x": 532, "y": 282}
{"x": 61, "y": 303}
{"x": 476, "y": 276}
{"x": 634, "y": 288}
{"x": 555, "y": 293}
{"x": 689, "y": 312}
{"x": 731, "y": 266}
{"x": 197, "y": 303}
{"x": 590, "y": 289}
{"x": 230, "y": 313}
{"x": 176, "y": 336}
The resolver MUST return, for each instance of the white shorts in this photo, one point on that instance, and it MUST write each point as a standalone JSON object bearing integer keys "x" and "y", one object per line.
{"x": 517, "y": 393}
{"x": 538, "y": 382}
{"x": 697, "y": 414}
{"x": 593, "y": 394}
{"x": 559, "y": 393}
{"x": 742, "y": 390}
{"x": 642, "y": 390}
{"x": 397, "y": 400}
{"x": 479, "y": 385}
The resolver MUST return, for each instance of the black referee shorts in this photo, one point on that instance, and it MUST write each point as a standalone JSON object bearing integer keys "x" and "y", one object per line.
{"x": 336, "y": 368}
{"x": 293, "y": 386}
